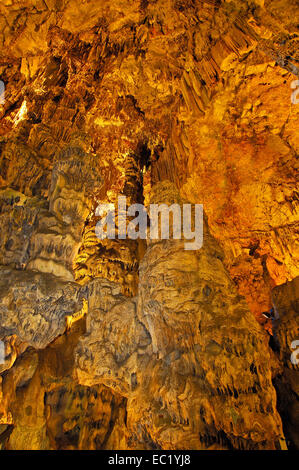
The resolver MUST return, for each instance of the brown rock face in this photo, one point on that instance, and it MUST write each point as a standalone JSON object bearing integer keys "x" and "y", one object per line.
{"x": 134, "y": 343}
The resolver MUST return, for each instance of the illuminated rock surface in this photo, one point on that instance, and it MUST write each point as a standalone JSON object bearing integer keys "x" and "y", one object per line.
{"x": 123, "y": 344}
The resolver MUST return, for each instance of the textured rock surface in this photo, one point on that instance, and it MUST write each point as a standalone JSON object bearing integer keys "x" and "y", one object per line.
{"x": 112, "y": 343}
{"x": 34, "y": 306}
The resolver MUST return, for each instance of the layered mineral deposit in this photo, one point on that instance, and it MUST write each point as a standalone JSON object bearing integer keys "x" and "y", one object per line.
{"x": 140, "y": 344}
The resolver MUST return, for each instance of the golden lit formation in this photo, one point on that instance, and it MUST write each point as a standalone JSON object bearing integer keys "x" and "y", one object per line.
{"x": 124, "y": 343}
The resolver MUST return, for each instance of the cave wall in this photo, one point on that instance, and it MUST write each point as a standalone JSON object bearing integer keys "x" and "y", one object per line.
{"x": 134, "y": 344}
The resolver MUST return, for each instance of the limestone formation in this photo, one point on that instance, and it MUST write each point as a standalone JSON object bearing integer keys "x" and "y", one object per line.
{"x": 141, "y": 344}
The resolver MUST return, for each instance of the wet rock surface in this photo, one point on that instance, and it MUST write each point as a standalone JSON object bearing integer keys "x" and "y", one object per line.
{"x": 134, "y": 344}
